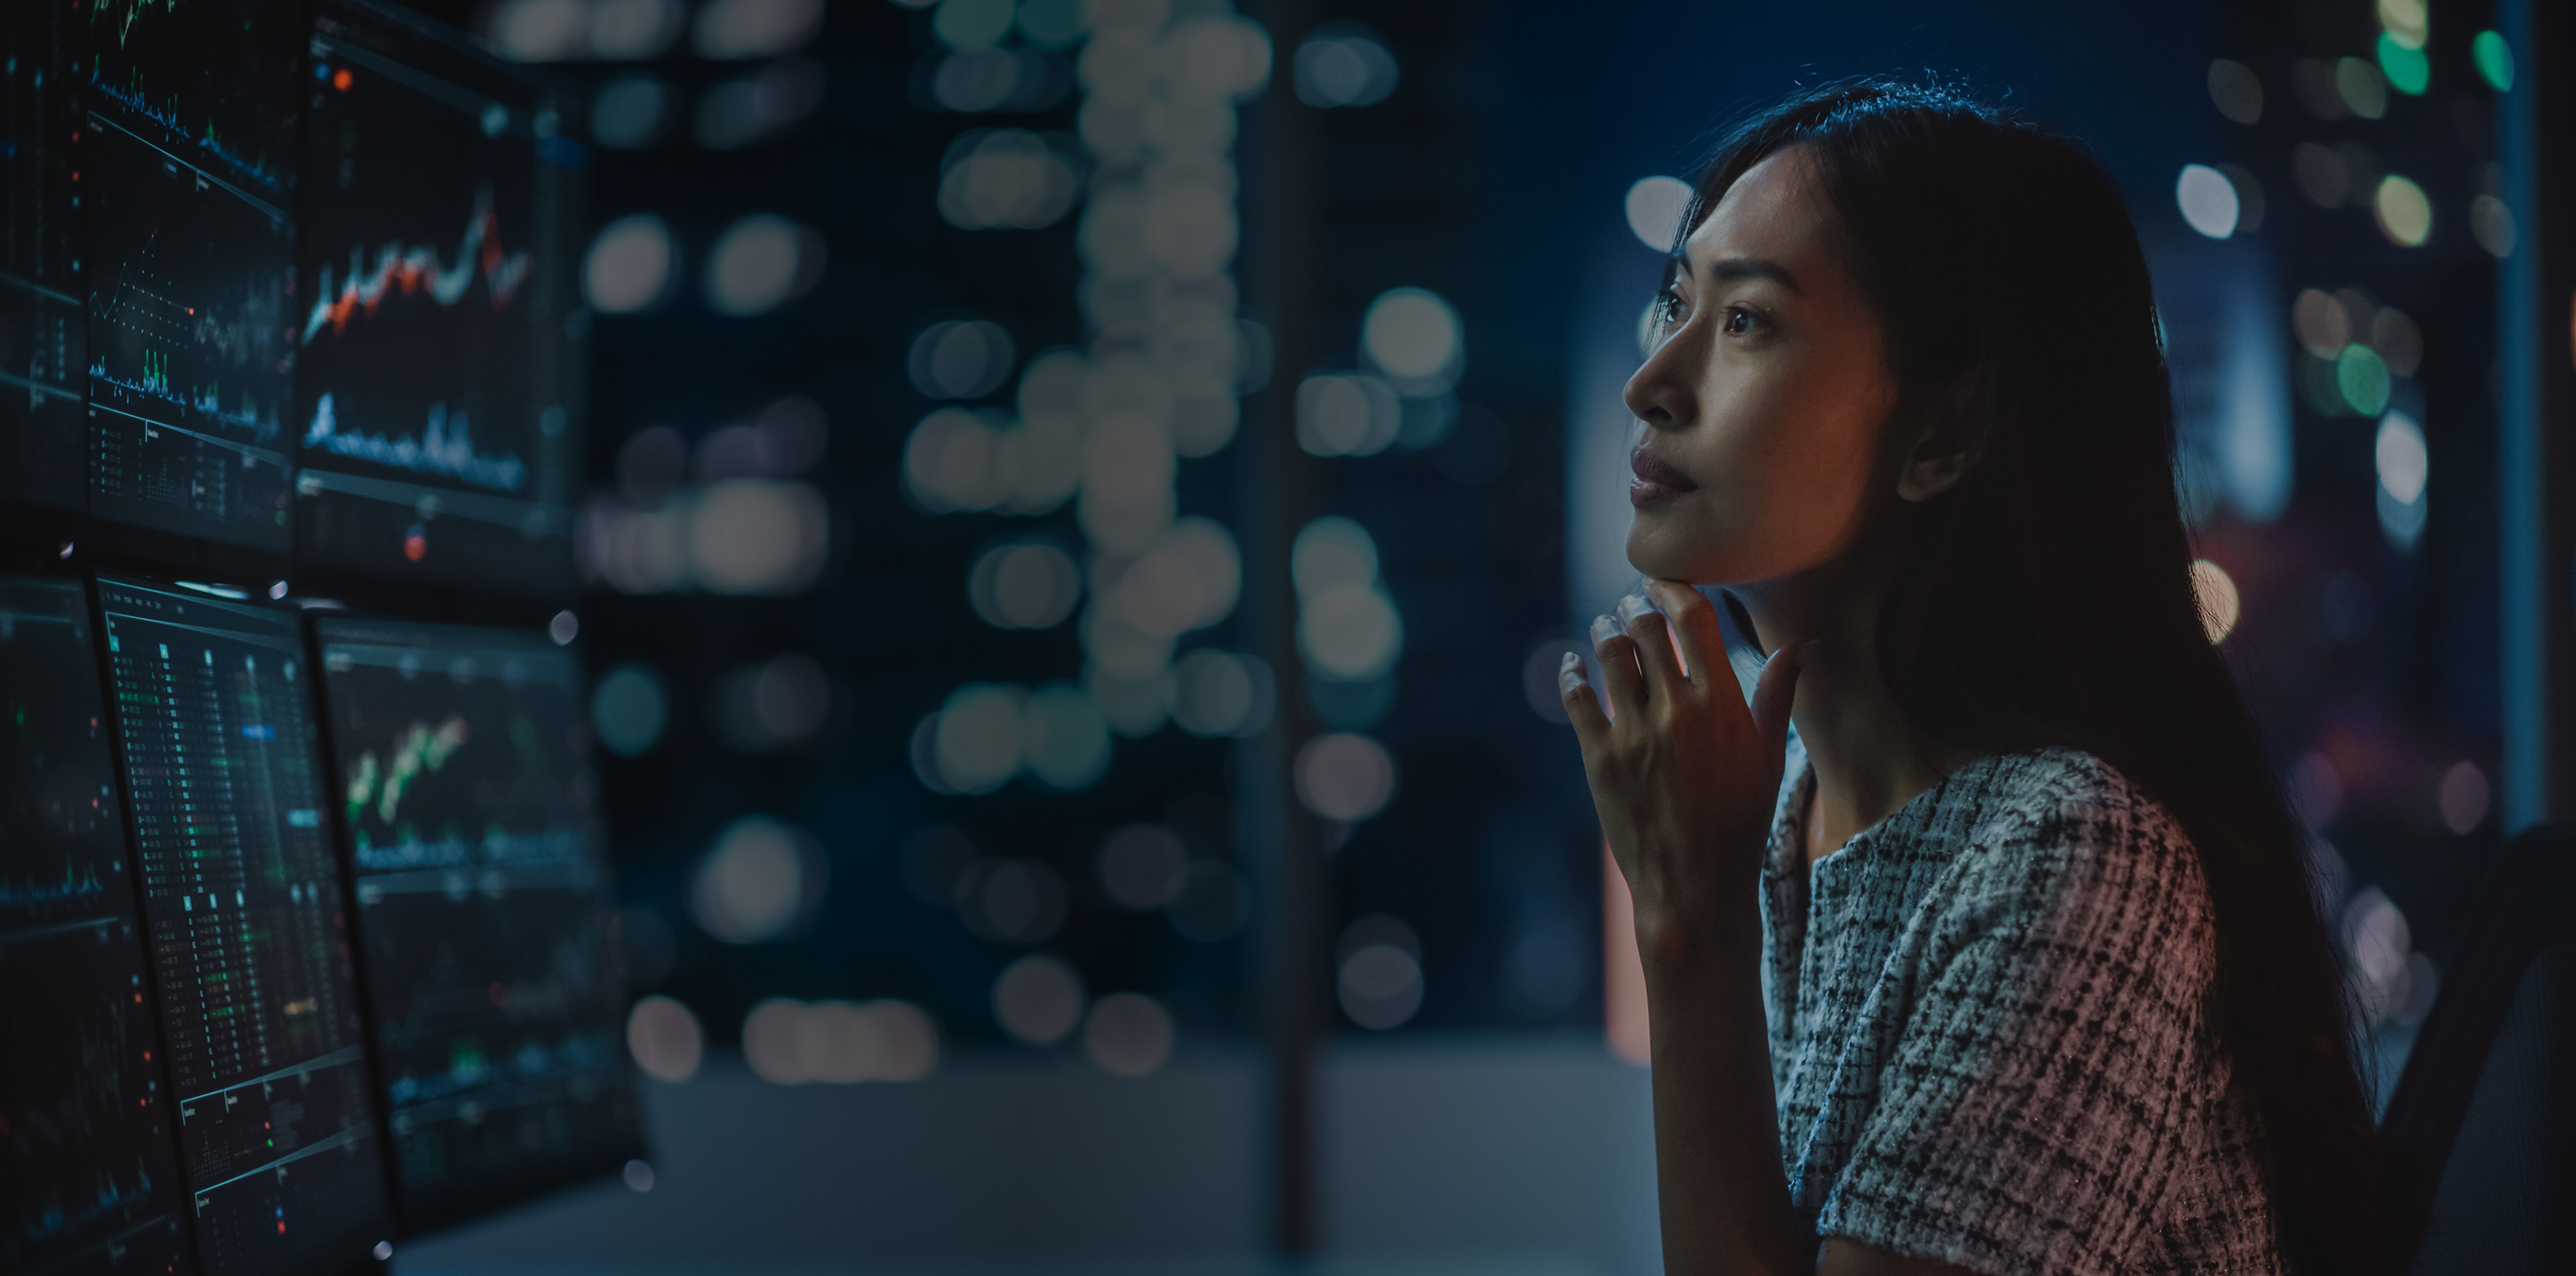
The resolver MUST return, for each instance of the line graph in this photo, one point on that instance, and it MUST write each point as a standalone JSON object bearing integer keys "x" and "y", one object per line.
{"x": 124, "y": 13}
{"x": 139, "y": 299}
{"x": 421, "y": 748}
{"x": 445, "y": 447}
{"x": 77, "y": 884}
{"x": 132, "y": 97}
{"x": 416, "y": 268}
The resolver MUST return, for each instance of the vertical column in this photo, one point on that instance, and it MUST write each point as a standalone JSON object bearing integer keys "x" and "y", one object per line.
{"x": 2536, "y": 334}
{"x": 1275, "y": 485}
{"x": 2536, "y": 484}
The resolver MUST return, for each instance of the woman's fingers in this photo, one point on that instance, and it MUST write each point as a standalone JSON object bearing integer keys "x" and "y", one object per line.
{"x": 1582, "y": 707}
{"x": 1620, "y": 677}
{"x": 1694, "y": 623}
{"x": 1654, "y": 640}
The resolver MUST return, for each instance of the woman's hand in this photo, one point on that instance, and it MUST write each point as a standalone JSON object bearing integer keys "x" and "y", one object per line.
{"x": 1684, "y": 776}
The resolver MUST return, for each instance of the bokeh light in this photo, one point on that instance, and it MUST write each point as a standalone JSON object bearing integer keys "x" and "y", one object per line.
{"x": 2208, "y": 200}
{"x": 1005, "y": 179}
{"x": 2404, "y": 465}
{"x": 1380, "y": 986}
{"x": 1341, "y": 65}
{"x": 1345, "y": 776}
{"x": 1064, "y": 739}
{"x": 757, "y": 882}
{"x": 2407, "y": 22}
{"x": 540, "y": 30}
{"x": 2405, "y": 214}
{"x": 738, "y": 112}
{"x": 634, "y": 30}
{"x": 1128, "y": 1034}
{"x": 978, "y": 742}
{"x": 1038, "y": 999}
{"x": 834, "y": 1042}
{"x": 740, "y": 29}
{"x": 1024, "y": 585}
{"x": 1344, "y": 414}
{"x": 1378, "y": 972}
{"x": 2236, "y": 91}
{"x": 960, "y": 359}
{"x": 1012, "y": 901}
{"x": 2363, "y": 90}
{"x": 2361, "y": 376}
{"x": 1350, "y": 632}
{"x": 664, "y": 1038}
{"x": 2494, "y": 59}
{"x": 1220, "y": 693}
{"x": 2491, "y": 224}
{"x": 632, "y": 112}
{"x": 972, "y": 24}
{"x": 1655, "y": 208}
{"x": 2407, "y": 69}
{"x": 2215, "y": 591}
{"x": 628, "y": 709}
{"x": 2464, "y": 797}
{"x": 630, "y": 265}
{"x": 760, "y": 262}
{"x": 757, "y": 536}
{"x": 1413, "y": 336}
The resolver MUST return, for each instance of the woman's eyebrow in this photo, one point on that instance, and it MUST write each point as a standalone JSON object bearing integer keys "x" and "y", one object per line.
{"x": 1727, "y": 270}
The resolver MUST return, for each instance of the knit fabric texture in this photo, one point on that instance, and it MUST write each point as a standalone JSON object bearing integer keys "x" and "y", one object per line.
{"x": 1990, "y": 1033}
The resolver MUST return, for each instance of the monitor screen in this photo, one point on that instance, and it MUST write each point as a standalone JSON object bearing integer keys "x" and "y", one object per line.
{"x": 42, "y": 334}
{"x": 191, "y": 264}
{"x": 89, "y": 1179}
{"x": 247, "y": 915}
{"x": 484, "y": 911}
{"x": 436, "y": 413}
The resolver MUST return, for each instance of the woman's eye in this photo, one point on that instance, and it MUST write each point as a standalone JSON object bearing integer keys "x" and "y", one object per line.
{"x": 1740, "y": 321}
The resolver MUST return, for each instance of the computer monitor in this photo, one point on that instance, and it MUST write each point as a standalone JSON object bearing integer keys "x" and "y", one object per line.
{"x": 247, "y": 914}
{"x": 467, "y": 796}
{"x": 42, "y": 334}
{"x": 191, "y": 264}
{"x": 438, "y": 404}
{"x": 89, "y": 1177}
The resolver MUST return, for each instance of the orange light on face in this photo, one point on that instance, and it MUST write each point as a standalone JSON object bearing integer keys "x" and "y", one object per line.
{"x": 340, "y": 81}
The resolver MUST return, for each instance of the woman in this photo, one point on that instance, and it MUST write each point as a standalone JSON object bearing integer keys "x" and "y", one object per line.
{"x": 2034, "y": 981}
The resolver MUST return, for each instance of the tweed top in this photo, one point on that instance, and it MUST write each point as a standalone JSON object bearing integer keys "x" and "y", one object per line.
{"x": 1989, "y": 1030}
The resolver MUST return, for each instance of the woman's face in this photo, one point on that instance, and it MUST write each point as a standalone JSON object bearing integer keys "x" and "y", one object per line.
{"x": 1765, "y": 400}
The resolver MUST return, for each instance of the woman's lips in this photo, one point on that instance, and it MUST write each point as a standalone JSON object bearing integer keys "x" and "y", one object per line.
{"x": 1656, "y": 479}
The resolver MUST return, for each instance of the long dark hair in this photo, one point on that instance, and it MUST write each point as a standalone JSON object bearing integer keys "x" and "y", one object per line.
{"x": 2047, "y": 597}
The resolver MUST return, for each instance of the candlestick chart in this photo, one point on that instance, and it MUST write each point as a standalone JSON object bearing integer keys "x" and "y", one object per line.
{"x": 430, "y": 350}
{"x": 483, "y": 904}
{"x": 89, "y": 1175}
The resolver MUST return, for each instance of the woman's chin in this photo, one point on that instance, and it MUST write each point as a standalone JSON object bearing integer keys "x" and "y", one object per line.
{"x": 1659, "y": 559}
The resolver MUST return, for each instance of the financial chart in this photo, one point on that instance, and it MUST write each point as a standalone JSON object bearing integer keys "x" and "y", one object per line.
{"x": 191, "y": 115}
{"x": 89, "y": 1180}
{"x": 42, "y": 334}
{"x": 247, "y": 922}
{"x": 484, "y": 909}
{"x": 432, "y": 412}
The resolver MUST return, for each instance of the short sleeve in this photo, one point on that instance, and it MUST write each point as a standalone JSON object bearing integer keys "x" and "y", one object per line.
{"x": 2034, "y": 1110}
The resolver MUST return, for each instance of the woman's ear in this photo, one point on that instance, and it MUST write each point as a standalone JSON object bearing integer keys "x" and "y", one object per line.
{"x": 1947, "y": 441}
